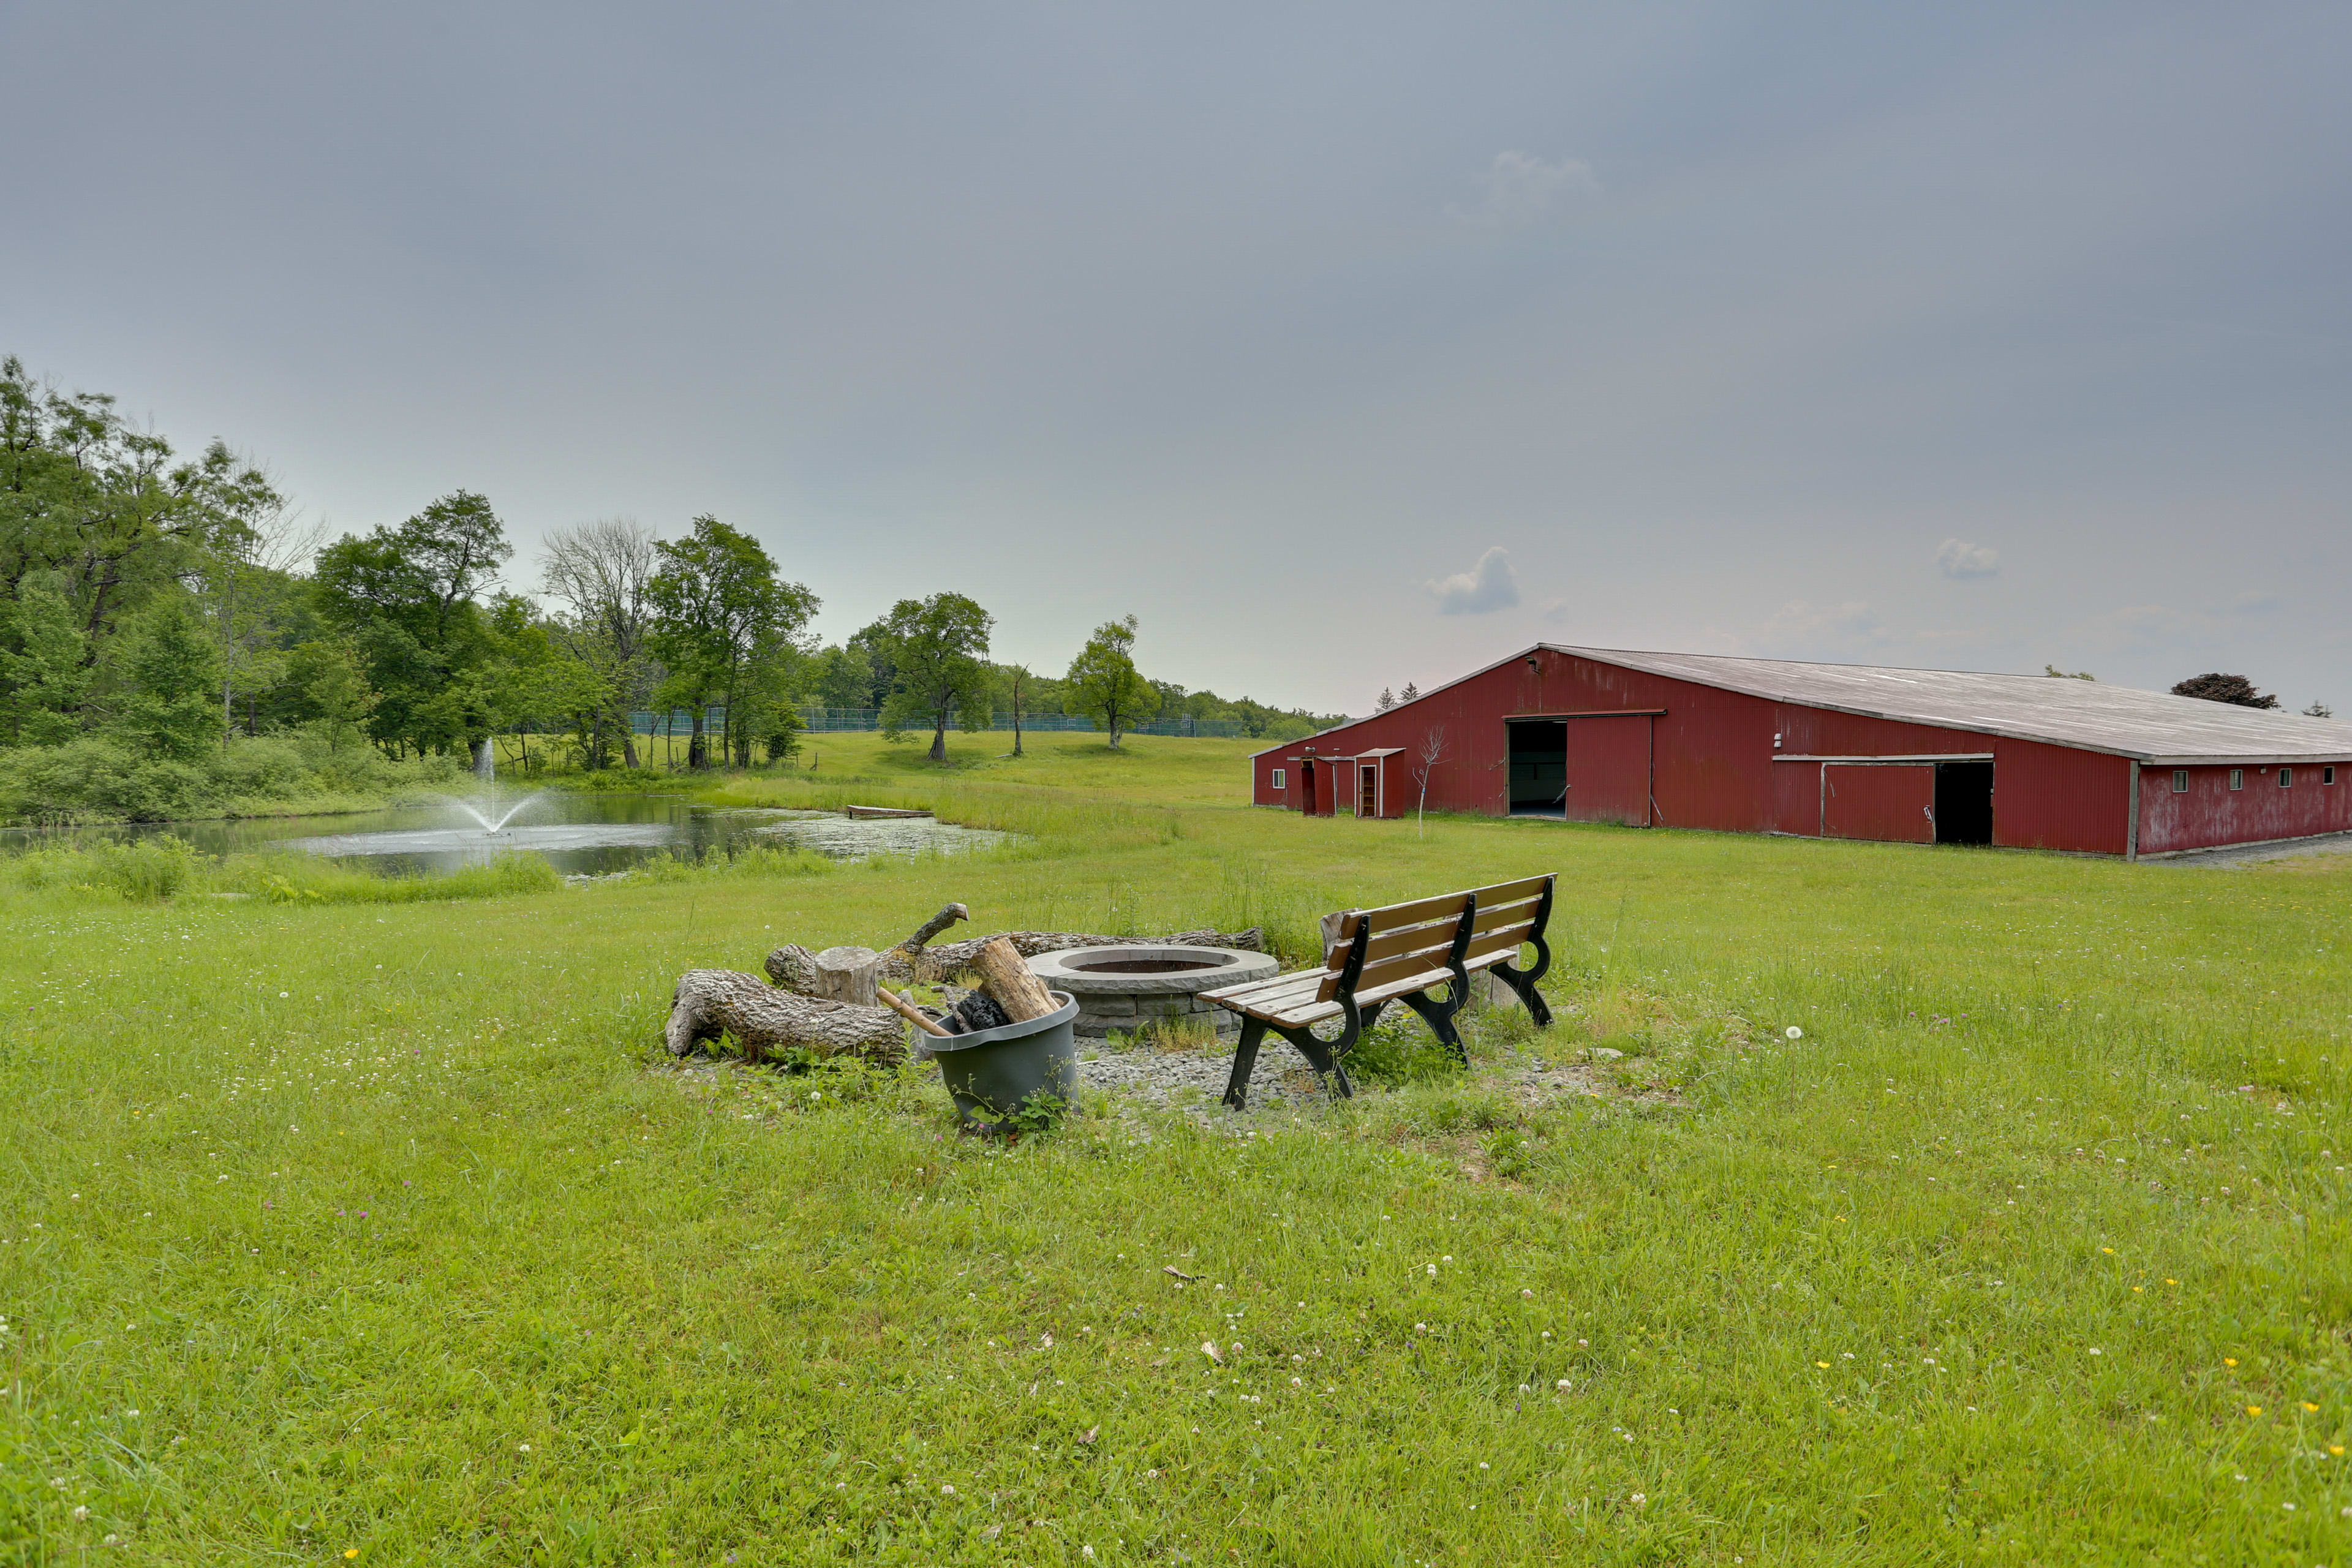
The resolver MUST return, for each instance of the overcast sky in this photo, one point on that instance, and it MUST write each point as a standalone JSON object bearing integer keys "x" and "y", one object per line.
{"x": 1346, "y": 346}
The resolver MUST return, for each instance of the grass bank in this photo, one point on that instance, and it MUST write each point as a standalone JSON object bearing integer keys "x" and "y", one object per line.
{"x": 334, "y": 1229}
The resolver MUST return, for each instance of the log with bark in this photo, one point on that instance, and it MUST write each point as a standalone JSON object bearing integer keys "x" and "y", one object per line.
{"x": 712, "y": 1004}
{"x": 1004, "y": 974}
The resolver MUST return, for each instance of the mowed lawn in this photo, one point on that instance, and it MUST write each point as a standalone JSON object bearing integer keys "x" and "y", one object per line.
{"x": 352, "y": 1232}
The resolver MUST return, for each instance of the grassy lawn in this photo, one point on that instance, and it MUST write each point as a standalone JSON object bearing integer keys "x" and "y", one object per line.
{"x": 381, "y": 1232}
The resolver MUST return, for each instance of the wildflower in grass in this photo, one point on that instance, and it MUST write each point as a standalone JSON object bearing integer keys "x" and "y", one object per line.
{"x": 2095, "y": 1351}
{"x": 1795, "y": 1033}
{"x": 2229, "y": 1360}
{"x": 80, "y": 1513}
{"x": 1639, "y": 1500}
{"x": 1432, "y": 1271}
{"x": 1823, "y": 1365}
{"x": 2253, "y": 1410}
{"x": 2336, "y": 1449}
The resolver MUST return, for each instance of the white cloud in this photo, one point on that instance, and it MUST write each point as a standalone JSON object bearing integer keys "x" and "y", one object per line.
{"x": 1521, "y": 188}
{"x": 1957, "y": 558}
{"x": 1489, "y": 585}
{"x": 1558, "y": 612}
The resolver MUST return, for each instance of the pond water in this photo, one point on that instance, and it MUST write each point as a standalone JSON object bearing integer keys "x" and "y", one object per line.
{"x": 579, "y": 834}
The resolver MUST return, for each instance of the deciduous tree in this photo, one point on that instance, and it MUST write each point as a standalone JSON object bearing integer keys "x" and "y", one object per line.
{"x": 939, "y": 659}
{"x": 1104, "y": 683}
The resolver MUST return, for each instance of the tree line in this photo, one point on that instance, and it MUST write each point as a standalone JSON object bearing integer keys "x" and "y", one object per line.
{"x": 171, "y": 603}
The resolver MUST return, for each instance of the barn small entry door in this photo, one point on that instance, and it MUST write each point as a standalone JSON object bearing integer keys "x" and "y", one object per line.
{"x": 1585, "y": 767}
{"x": 1926, "y": 802}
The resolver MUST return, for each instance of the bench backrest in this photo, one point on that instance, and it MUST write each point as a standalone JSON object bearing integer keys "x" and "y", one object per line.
{"x": 1400, "y": 939}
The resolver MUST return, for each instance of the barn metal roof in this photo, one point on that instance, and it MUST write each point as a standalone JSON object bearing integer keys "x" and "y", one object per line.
{"x": 2153, "y": 726}
{"x": 2150, "y": 726}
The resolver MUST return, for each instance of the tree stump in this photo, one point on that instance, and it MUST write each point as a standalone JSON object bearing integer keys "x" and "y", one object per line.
{"x": 1006, "y": 978}
{"x": 710, "y": 1004}
{"x": 847, "y": 974}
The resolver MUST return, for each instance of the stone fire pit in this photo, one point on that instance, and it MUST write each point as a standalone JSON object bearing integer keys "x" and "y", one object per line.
{"x": 1128, "y": 987}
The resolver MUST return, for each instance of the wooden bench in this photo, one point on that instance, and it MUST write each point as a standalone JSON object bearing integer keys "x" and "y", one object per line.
{"x": 1403, "y": 953}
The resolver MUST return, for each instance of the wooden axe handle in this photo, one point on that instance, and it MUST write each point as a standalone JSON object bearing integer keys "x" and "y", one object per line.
{"x": 912, "y": 1014}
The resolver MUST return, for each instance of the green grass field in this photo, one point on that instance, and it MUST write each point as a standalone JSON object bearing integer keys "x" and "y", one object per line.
{"x": 381, "y": 1232}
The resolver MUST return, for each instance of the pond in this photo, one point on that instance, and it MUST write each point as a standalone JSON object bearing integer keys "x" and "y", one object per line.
{"x": 579, "y": 834}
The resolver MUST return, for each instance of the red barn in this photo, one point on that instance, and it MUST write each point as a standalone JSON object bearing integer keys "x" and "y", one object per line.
{"x": 1829, "y": 751}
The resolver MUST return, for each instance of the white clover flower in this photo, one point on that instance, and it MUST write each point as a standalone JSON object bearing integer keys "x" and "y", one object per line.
{"x": 1794, "y": 1034}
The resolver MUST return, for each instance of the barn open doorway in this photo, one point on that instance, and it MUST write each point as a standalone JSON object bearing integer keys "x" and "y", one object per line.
{"x": 1538, "y": 767}
{"x": 1964, "y": 803}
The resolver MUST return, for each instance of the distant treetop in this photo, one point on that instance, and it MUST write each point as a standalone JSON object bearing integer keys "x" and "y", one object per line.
{"x": 2235, "y": 689}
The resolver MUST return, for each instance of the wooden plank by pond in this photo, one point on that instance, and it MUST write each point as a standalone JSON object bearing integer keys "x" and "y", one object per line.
{"x": 875, "y": 811}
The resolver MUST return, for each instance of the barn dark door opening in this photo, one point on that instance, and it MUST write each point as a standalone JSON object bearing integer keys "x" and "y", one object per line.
{"x": 1368, "y": 802}
{"x": 1306, "y": 788}
{"x": 1963, "y": 803}
{"x": 1538, "y": 767}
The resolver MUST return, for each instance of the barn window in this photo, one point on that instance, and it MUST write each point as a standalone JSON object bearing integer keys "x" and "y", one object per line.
{"x": 2327, "y": 775}
{"x": 2286, "y": 778}
{"x": 2180, "y": 781}
{"x": 2237, "y": 778}
{"x": 1278, "y": 778}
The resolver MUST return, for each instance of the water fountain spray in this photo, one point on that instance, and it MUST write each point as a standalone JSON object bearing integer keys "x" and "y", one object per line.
{"x": 488, "y": 812}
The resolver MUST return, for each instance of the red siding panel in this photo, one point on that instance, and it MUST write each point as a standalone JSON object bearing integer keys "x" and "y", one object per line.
{"x": 1871, "y": 800}
{"x": 2210, "y": 812}
{"x": 2051, "y": 797}
{"x": 1609, "y": 770}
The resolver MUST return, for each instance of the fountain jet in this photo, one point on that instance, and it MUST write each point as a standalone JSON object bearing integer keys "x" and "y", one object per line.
{"x": 488, "y": 812}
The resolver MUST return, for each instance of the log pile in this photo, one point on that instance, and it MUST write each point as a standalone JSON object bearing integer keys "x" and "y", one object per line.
{"x": 830, "y": 1001}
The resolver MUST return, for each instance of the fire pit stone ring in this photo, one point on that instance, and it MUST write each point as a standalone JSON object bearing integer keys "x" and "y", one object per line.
{"x": 1129, "y": 987}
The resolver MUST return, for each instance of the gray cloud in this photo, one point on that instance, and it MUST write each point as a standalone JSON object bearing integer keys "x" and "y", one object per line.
{"x": 1958, "y": 558}
{"x": 1491, "y": 585}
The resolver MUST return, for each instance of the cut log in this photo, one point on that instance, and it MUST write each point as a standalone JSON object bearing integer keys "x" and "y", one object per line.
{"x": 846, "y": 975}
{"x": 793, "y": 967}
{"x": 949, "y": 957}
{"x": 713, "y": 1004}
{"x": 1005, "y": 976}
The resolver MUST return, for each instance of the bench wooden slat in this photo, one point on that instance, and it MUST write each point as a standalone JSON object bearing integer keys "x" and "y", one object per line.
{"x": 1269, "y": 993}
{"x": 1314, "y": 1012}
{"x": 1505, "y": 941}
{"x": 1440, "y": 933}
{"x": 1388, "y": 917}
{"x": 1430, "y": 908}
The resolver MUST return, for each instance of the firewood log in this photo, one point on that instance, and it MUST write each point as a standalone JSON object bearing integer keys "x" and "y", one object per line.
{"x": 846, "y": 975}
{"x": 710, "y": 1004}
{"x": 1005, "y": 977}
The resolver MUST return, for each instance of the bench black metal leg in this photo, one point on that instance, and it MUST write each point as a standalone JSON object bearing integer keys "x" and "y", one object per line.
{"x": 1524, "y": 987}
{"x": 1245, "y": 1061}
{"x": 1439, "y": 1016}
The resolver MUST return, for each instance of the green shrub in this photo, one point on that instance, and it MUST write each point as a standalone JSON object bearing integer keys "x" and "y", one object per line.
{"x": 144, "y": 872}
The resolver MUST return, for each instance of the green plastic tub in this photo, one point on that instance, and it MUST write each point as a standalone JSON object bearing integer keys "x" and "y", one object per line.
{"x": 1018, "y": 1078}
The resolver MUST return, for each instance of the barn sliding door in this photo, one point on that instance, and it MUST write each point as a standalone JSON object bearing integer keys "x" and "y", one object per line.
{"x": 1608, "y": 773}
{"x": 1892, "y": 802}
